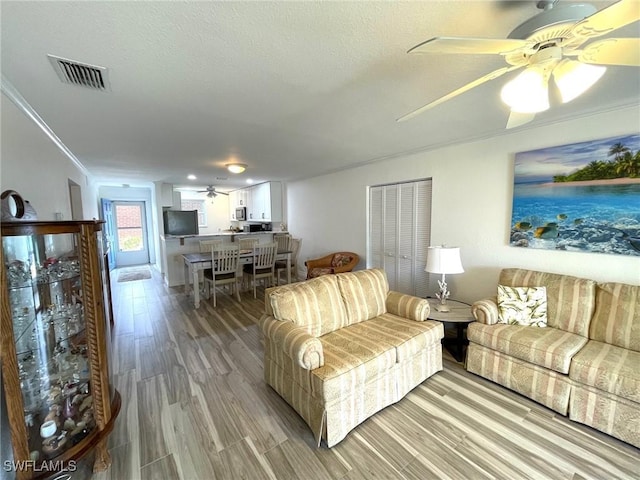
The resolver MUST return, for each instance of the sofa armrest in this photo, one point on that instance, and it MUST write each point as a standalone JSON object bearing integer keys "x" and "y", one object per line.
{"x": 485, "y": 311}
{"x": 294, "y": 341}
{"x": 408, "y": 306}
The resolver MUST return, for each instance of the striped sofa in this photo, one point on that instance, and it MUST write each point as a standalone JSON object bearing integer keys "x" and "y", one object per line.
{"x": 585, "y": 364}
{"x": 339, "y": 348}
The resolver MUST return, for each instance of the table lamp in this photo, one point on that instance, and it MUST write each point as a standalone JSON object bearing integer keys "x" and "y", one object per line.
{"x": 443, "y": 260}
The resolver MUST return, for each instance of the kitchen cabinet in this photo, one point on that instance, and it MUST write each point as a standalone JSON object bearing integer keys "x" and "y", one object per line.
{"x": 56, "y": 345}
{"x": 233, "y": 203}
{"x": 265, "y": 202}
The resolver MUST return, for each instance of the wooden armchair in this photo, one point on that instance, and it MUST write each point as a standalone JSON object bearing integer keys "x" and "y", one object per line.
{"x": 338, "y": 262}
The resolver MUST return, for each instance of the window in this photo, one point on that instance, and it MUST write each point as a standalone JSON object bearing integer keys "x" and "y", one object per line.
{"x": 196, "y": 204}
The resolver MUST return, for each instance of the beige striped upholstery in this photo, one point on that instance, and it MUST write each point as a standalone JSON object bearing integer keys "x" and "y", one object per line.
{"x": 608, "y": 368}
{"x": 606, "y": 412}
{"x": 545, "y": 386}
{"x": 315, "y": 305}
{"x": 485, "y": 311}
{"x": 570, "y": 300}
{"x": 596, "y": 380}
{"x": 408, "y": 306}
{"x": 295, "y": 343}
{"x": 364, "y": 294}
{"x": 546, "y": 347}
{"x": 337, "y": 375}
{"x": 617, "y": 316}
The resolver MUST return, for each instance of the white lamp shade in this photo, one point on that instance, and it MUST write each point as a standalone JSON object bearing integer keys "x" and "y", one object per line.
{"x": 528, "y": 92}
{"x": 443, "y": 260}
{"x": 574, "y": 78}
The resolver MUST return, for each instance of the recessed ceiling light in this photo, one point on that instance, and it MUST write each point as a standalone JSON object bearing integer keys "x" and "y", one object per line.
{"x": 191, "y": 176}
{"x": 236, "y": 167}
{"x": 249, "y": 180}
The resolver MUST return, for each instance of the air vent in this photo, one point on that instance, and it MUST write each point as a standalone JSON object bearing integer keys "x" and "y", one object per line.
{"x": 82, "y": 74}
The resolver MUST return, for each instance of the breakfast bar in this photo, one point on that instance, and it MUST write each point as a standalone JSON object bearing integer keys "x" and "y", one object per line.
{"x": 173, "y": 247}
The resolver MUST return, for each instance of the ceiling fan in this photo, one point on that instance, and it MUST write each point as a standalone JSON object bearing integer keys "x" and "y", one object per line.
{"x": 550, "y": 43}
{"x": 212, "y": 192}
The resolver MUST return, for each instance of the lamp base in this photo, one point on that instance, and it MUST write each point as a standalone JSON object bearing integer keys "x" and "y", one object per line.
{"x": 442, "y": 307}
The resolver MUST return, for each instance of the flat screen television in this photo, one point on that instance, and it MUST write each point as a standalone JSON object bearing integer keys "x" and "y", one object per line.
{"x": 181, "y": 222}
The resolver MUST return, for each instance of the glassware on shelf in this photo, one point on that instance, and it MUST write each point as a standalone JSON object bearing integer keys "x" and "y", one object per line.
{"x": 60, "y": 377}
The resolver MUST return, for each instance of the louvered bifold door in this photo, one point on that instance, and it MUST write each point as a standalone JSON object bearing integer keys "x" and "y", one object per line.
{"x": 422, "y": 229}
{"x": 399, "y": 233}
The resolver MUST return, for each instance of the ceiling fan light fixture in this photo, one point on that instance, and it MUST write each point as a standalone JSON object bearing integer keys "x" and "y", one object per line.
{"x": 236, "y": 167}
{"x": 573, "y": 78}
{"x": 528, "y": 92}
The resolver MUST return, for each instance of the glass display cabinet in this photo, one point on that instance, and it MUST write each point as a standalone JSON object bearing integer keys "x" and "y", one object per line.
{"x": 56, "y": 345}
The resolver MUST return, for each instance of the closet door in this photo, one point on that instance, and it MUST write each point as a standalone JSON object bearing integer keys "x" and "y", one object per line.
{"x": 399, "y": 233}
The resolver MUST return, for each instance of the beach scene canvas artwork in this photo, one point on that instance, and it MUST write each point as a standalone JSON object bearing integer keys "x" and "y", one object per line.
{"x": 580, "y": 197}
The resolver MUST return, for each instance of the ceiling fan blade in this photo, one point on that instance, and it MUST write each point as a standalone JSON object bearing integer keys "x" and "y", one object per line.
{"x": 516, "y": 119}
{"x": 608, "y": 19}
{"x": 490, "y": 76}
{"x": 612, "y": 51}
{"x": 469, "y": 45}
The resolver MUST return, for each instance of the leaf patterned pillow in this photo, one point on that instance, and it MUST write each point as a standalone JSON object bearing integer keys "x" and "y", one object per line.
{"x": 522, "y": 306}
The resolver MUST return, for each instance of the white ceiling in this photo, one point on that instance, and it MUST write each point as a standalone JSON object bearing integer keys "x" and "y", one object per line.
{"x": 292, "y": 89}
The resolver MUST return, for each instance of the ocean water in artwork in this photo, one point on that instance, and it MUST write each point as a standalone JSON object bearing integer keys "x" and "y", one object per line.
{"x": 579, "y": 197}
{"x": 597, "y": 218}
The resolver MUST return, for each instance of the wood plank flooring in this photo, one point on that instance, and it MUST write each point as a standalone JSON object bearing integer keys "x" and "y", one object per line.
{"x": 194, "y": 406}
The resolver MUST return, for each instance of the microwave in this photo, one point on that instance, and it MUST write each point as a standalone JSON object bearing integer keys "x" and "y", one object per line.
{"x": 241, "y": 213}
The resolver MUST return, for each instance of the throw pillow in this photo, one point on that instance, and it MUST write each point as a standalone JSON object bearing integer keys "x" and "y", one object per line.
{"x": 522, "y": 306}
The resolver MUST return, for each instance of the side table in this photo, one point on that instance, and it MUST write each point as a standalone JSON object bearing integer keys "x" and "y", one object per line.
{"x": 460, "y": 316}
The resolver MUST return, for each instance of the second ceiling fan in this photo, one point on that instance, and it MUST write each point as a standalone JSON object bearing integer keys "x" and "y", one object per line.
{"x": 212, "y": 192}
{"x": 549, "y": 44}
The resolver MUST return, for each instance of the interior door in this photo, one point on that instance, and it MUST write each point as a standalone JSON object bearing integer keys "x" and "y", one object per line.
{"x": 131, "y": 242}
{"x": 399, "y": 234}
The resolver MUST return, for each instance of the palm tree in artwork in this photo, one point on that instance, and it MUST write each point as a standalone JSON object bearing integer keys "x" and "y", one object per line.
{"x": 617, "y": 151}
{"x": 629, "y": 164}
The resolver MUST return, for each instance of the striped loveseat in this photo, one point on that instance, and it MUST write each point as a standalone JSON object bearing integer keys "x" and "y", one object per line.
{"x": 585, "y": 363}
{"x": 339, "y": 348}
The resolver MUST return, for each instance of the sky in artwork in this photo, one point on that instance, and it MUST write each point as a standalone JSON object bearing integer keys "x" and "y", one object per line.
{"x": 542, "y": 164}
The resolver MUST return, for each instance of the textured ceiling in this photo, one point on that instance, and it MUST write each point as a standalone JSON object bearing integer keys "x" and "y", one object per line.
{"x": 292, "y": 89}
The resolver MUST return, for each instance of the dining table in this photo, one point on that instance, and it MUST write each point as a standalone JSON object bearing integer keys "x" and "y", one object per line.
{"x": 195, "y": 262}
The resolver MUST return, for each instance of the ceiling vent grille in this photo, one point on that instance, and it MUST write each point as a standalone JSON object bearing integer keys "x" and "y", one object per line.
{"x": 82, "y": 74}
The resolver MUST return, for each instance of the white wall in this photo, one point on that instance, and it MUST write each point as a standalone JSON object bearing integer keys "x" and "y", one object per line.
{"x": 33, "y": 166}
{"x": 472, "y": 195}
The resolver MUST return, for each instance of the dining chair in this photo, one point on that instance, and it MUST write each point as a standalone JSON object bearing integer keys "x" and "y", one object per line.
{"x": 281, "y": 265}
{"x": 264, "y": 260}
{"x": 247, "y": 243}
{"x": 206, "y": 245}
{"x": 225, "y": 260}
{"x": 284, "y": 242}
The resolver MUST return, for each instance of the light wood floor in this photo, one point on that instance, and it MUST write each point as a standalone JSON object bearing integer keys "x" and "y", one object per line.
{"x": 195, "y": 407}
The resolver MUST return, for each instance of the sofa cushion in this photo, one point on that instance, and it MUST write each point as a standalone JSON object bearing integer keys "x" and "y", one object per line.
{"x": 609, "y": 368}
{"x": 364, "y": 294}
{"x": 570, "y": 300}
{"x": 546, "y": 347}
{"x": 315, "y": 305}
{"x": 522, "y": 306}
{"x": 617, "y": 316}
{"x": 407, "y": 336}
{"x": 351, "y": 360}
